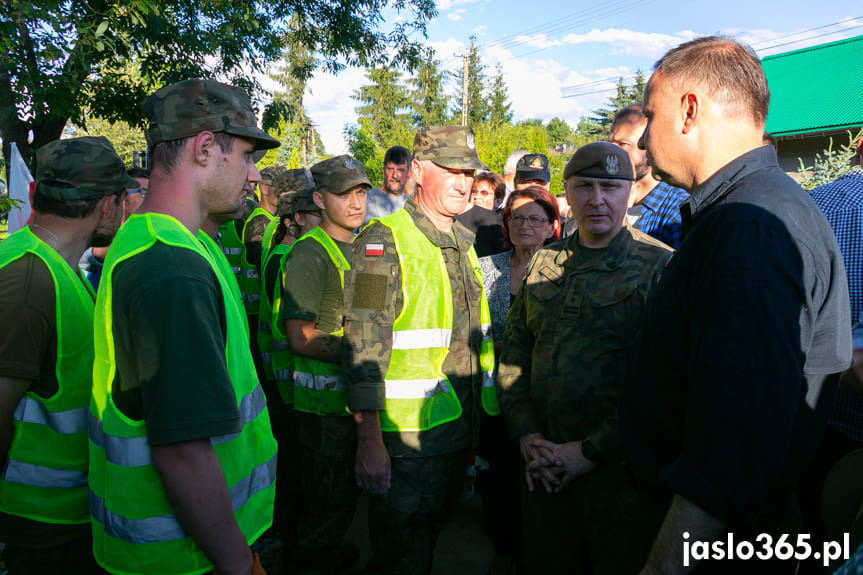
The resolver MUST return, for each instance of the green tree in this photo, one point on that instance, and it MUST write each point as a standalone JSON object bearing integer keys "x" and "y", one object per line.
{"x": 598, "y": 124}
{"x": 60, "y": 57}
{"x": 428, "y": 98}
{"x": 498, "y": 100}
{"x": 559, "y": 132}
{"x": 830, "y": 164}
{"x": 477, "y": 106}
{"x": 383, "y": 105}
{"x": 126, "y": 139}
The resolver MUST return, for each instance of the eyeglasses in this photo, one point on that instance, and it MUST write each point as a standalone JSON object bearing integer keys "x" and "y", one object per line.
{"x": 532, "y": 220}
{"x": 142, "y": 191}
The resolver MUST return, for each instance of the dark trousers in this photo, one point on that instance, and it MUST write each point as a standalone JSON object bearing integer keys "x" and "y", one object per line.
{"x": 327, "y": 488}
{"x": 585, "y": 529}
{"x": 73, "y": 558}
{"x": 404, "y": 526}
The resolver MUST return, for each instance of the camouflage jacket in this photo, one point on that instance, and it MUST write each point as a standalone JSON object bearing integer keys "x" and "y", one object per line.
{"x": 570, "y": 328}
{"x": 373, "y": 300}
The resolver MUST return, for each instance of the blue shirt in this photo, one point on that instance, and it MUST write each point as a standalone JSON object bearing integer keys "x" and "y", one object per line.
{"x": 660, "y": 214}
{"x": 379, "y": 204}
{"x": 842, "y": 204}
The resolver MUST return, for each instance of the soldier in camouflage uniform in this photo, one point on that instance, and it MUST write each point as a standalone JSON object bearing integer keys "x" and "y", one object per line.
{"x": 412, "y": 353}
{"x": 563, "y": 360}
{"x": 47, "y": 356}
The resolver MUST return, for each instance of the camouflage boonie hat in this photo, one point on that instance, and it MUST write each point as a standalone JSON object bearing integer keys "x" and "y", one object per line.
{"x": 448, "y": 146}
{"x": 532, "y": 167}
{"x": 186, "y": 108}
{"x": 270, "y": 173}
{"x": 600, "y": 160}
{"x": 295, "y": 180}
{"x": 83, "y": 168}
{"x": 339, "y": 174}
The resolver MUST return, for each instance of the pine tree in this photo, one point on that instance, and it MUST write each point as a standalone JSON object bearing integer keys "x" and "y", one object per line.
{"x": 383, "y": 105}
{"x": 429, "y": 99}
{"x": 498, "y": 100}
{"x": 599, "y": 122}
{"x": 477, "y": 108}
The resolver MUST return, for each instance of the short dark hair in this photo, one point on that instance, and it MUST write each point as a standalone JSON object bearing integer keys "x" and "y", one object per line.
{"x": 631, "y": 114}
{"x": 397, "y": 155}
{"x": 539, "y": 195}
{"x": 138, "y": 172}
{"x": 72, "y": 209}
{"x": 496, "y": 181}
{"x": 166, "y": 154}
{"x": 729, "y": 70}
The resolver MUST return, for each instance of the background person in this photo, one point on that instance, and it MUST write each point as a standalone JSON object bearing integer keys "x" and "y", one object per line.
{"x": 390, "y": 196}
{"x": 488, "y": 190}
{"x": 530, "y": 221}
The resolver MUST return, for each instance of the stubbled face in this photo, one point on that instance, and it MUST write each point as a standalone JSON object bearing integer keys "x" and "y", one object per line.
{"x": 106, "y": 229}
{"x": 444, "y": 191}
{"x": 482, "y": 195}
{"x": 626, "y": 135}
{"x": 231, "y": 176}
{"x": 395, "y": 176}
{"x": 599, "y": 206}
{"x": 524, "y": 234}
{"x": 661, "y": 137}
{"x": 346, "y": 210}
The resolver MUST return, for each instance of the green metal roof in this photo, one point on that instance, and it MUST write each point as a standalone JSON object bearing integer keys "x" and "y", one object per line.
{"x": 816, "y": 89}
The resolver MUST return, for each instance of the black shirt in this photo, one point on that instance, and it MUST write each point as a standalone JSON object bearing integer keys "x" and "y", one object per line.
{"x": 486, "y": 224}
{"x": 742, "y": 341}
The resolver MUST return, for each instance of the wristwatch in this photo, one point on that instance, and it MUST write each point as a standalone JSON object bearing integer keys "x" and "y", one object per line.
{"x": 589, "y": 451}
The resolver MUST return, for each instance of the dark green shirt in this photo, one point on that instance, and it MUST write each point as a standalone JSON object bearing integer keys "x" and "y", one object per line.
{"x": 312, "y": 289}
{"x": 169, "y": 336}
{"x": 373, "y": 300}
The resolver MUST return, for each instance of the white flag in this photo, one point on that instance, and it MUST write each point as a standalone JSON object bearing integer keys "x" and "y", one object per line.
{"x": 19, "y": 189}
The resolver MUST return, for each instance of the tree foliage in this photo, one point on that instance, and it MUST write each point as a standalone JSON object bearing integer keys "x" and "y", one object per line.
{"x": 429, "y": 100}
{"x": 60, "y": 57}
{"x": 477, "y": 104}
{"x": 830, "y": 164}
{"x": 499, "y": 111}
{"x": 598, "y": 124}
{"x": 559, "y": 132}
{"x": 383, "y": 105}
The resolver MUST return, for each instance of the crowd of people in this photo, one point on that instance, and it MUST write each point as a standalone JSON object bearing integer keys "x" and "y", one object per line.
{"x": 663, "y": 359}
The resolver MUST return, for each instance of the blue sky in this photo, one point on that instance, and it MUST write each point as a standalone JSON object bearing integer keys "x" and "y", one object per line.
{"x": 550, "y": 49}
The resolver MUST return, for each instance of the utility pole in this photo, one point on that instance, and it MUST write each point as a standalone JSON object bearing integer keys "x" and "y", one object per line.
{"x": 464, "y": 92}
{"x": 312, "y": 136}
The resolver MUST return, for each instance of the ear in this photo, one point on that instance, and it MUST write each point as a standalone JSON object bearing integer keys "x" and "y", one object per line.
{"x": 690, "y": 108}
{"x": 417, "y": 171}
{"x": 318, "y": 199}
{"x": 203, "y": 145}
{"x": 631, "y": 201}
{"x": 555, "y": 225}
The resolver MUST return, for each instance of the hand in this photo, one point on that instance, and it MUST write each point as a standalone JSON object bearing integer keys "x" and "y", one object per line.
{"x": 538, "y": 462}
{"x": 852, "y": 378}
{"x": 372, "y": 467}
{"x": 569, "y": 458}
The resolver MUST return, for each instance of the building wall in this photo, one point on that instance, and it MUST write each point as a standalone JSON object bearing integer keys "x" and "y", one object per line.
{"x": 791, "y": 149}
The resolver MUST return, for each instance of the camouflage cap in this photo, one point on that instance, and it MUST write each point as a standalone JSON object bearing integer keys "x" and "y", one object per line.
{"x": 339, "y": 174}
{"x": 532, "y": 167}
{"x": 600, "y": 160}
{"x": 80, "y": 169}
{"x": 291, "y": 203}
{"x": 295, "y": 180}
{"x": 270, "y": 173}
{"x": 448, "y": 146}
{"x": 186, "y": 108}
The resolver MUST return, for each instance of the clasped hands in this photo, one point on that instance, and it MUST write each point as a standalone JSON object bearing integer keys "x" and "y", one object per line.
{"x": 554, "y": 465}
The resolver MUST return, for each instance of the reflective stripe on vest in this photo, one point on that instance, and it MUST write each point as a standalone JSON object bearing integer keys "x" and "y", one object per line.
{"x": 45, "y": 476}
{"x": 250, "y": 282}
{"x": 283, "y": 358}
{"x": 318, "y": 385}
{"x": 418, "y": 394}
{"x": 232, "y": 247}
{"x": 134, "y": 528}
{"x": 265, "y": 308}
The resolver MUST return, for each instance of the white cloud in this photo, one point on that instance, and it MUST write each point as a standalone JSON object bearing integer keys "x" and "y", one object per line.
{"x": 328, "y": 103}
{"x": 479, "y": 29}
{"x": 540, "y": 41}
{"x": 444, "y": 5}
{"x": 629, "y": 42}
{"x": 456, "y": 14}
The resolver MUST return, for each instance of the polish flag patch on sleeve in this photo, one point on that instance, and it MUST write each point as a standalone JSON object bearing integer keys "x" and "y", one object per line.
{"x": 374, "y": 250}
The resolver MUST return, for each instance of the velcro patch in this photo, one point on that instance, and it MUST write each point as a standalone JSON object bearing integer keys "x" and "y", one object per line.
{"x": 370, "y": 291}
{"x": 374, "y": 250}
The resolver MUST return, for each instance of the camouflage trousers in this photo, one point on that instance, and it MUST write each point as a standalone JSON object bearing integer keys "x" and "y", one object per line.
{"x": 585, "y": 529}
{"x": 327, "y": 490}
{"x": 404, "y": 526}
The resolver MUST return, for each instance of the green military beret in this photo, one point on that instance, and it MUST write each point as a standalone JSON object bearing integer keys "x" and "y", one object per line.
{"x": 600, "y": 160}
